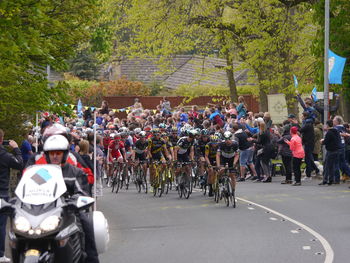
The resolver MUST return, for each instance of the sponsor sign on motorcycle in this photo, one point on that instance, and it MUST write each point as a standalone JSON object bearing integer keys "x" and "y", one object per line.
{"x": 41, "y": 184}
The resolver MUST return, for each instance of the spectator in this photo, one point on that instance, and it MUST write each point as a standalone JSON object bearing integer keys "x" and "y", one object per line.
{"x": 308, "y": 139}
{"x": 296, "y": 146}
{"x": 165, "y": 106}
{"x": 332, "y": 143}
{"x": 341, "y": 163}
{"x": 26, "y": 148}
{"x": 7, "y": 161}
{"x": 286, "y": 153}
{"x": 242, "y": 107}
{"x": 104, "y": 108}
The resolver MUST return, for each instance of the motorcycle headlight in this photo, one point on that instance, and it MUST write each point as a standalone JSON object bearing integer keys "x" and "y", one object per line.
{"x": 22, "y": 224}
{"x": 50, "y": 223}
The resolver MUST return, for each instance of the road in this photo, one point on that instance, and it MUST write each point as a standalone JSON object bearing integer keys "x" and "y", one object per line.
{"x": 308, "y": 223}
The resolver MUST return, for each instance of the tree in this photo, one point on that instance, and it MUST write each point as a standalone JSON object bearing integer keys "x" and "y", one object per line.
{"x": 339, "y": 38}
{"x": 275, "y": 45}
{"x": 35, "y": 34}
{"x": 166, "y": 28}
{"x": 91, "y": 93}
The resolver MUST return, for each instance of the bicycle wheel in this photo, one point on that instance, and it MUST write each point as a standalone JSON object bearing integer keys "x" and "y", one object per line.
{"x": 228, "y": 194}
{"x": 216, "y": 191}
{"x": 180, "y": 186}
{"x": 127, "y": 177}
{"x": 167, "y": 181}
{"x": 119, "y": 182}
{"x": 161, "y": 184}
{"x": 114, "y": 179}
{"x": 233, "y": 198}
{"x": 144, "y": 183}
{"x": 139, "y": 180}
{"x": 187, "y": 189}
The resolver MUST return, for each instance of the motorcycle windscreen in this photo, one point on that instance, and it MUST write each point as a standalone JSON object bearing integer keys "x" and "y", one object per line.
{"x": 41, "y": 184}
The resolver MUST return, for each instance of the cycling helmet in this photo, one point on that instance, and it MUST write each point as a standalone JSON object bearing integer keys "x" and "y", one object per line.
{"x": 164, "y": 134}
{"x": 54, "y": 129}
{"x": 56, "y": 143}
{"x": 214, "y": 138}
{"x": 155, "y": 131}
{"x": 205, "y": 132}
{"x": 137, "y": 130}
{"x": 227, "y": 135}
{"x": 218, "y": 134}
{"x": 162, "y": 126}
{"x": 192, "y": 133}
{"x": 142, "y": 134}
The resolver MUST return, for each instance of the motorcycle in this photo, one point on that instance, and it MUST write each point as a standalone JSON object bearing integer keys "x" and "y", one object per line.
{"x": 45, "y": 226}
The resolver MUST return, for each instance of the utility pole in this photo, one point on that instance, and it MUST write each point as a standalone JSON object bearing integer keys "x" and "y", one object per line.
{"x": 326, "y": 63}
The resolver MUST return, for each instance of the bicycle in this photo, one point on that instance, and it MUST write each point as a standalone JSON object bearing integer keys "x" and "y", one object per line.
{"x": 120, "y": 177}
{"x": 216, "y": 187}
{"x": 184, "y": 180}
{"x": 140, "y": 177}
{"x": 203, "y": 182}
{"x": 159, "y": 179}
{"x": 227, "y": 191}
{"x": 169, "y": 177}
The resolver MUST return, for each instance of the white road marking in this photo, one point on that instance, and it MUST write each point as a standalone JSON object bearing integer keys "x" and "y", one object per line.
{"x": 294, "y": 231}
{"x": 328, "y": 249}
{"x": 273, "y": 218}
{"x": 251, "y": 208}
{"x": 306, "y": 247}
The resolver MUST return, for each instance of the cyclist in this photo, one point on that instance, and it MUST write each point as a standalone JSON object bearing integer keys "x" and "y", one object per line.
{"x": 211, "y": 149}
{"x": 174, "y": 136}
{"x": 156, "y": 147}
{"x": 169, "y": 146}
{"x": 200, "y": 149}
{"x": 115, "y": 152}
{"x": 184, "y": 150}
{"x": 227, "y": 154}
{"x": 140, "y": 149}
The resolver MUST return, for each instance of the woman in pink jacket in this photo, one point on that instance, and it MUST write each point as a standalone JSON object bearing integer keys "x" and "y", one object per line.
{"x": 297, "y": 149}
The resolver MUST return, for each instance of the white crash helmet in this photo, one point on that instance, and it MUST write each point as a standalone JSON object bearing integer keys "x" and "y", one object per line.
{"x": 227, "y": 135}
{"x": 56, "y": 143}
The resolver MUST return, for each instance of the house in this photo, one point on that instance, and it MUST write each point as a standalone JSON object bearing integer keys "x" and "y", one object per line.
{"x": 180, "y": 70}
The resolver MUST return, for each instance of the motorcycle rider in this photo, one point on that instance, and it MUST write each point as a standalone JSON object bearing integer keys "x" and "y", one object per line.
{"x": 56, "y": 151}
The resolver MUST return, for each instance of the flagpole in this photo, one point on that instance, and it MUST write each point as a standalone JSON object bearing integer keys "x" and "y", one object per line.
{"x": 326, "y": 63}
{"x": 95, "y": 163}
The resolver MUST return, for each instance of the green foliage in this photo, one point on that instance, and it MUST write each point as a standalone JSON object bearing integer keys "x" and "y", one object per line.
{"x": 35, "y": 34}
{"x": 85, "y": 65}
{"x": 272, "y": 37}
{"x": 339, "y": 38}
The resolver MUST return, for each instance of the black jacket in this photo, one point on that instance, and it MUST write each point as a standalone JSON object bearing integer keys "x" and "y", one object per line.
{"x": 7, "y": 161}
{"x": 308, "y": 134}
{"x": 332, "y": 140}
{"x": 75, "y": 180}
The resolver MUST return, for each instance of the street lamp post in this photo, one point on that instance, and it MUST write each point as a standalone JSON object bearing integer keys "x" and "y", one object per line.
{"x": 326, "y": 63}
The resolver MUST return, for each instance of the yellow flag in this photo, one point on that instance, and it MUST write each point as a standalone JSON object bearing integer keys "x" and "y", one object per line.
{"x": 154, "y": 111}
{"x": 72, "y": 106}
{"x": 86, "y": 107}
{"x": 127, "y": 111}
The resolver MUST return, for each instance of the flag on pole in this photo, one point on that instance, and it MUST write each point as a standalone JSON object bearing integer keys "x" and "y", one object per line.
{"x": 79, "y": 107}
{"x": 314, "y": 94}
{"x": 336, "y": 67}
{"x": 295, "y": 82}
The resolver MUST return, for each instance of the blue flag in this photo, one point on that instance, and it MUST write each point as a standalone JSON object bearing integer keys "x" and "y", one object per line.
{"x": 314, "y": 94}
{"x": 79, "y": 106}
{"x": 336, "y": 67}
{"x": 295, "y": 81}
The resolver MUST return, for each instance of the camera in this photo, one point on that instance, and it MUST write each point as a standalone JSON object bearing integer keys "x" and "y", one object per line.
{"x": 6, "y": 142}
